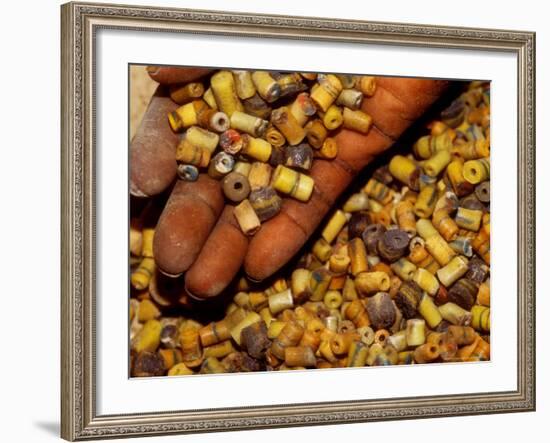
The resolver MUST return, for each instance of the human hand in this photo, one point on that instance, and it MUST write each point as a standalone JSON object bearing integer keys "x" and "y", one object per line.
{"x": 197, "y": 233}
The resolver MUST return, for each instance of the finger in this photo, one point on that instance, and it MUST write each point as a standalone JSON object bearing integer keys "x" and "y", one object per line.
{"x": 153, "y": 150}
{"x": 219, "y": 260}
{"x": 281, "y": 238}
{"x": 405, "y": 99}
{"x": 185, "y": 223}
{"x": 169, "y": 75}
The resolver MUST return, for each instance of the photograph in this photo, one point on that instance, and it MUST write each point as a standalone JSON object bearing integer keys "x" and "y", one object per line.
{"x": 293, "y": 221}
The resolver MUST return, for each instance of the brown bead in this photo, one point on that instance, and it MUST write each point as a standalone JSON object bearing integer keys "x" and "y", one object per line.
{"x": 300, "y": 156}
{"x": 472, "y": 202}
{"x": 148, "y": 364}
{"x": 408, "y": 298}
{"x": 371, "y": 235}
{"x": 381, "y": 311}
{"x": 235, "y": 187}
{"x": 454, "y": 114}
{"x": 461, "y": 335}
{"x": 277, "y": 157}
{"x": 231, "y": 141}
{"x": 483, "y": 192}
{"x": 256, "y": 106}
{"x": 393, "y": 244}
{"x": 254, "y": 339}
{"x": 477, "y": 271}
{"x": 358, "y": 223}
{"x": 383, "y": 175}
{"x": 242, "y": 362}
{"x": 266, "y": 202}
{"x": 169, "y": 336}
{"x": 463, "y": 293}
{"x": 442, "y": 296}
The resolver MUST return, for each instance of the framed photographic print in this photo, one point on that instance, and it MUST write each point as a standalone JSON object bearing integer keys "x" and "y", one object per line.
{"x": 280, "y": 221}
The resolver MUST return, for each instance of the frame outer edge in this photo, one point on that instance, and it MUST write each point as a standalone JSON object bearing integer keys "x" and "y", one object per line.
{"x": 68, "y": 402}
{"x": 78, "y": 419}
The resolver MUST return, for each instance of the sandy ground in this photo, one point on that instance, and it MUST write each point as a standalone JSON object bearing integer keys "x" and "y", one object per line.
{"x": 141, "y": 91}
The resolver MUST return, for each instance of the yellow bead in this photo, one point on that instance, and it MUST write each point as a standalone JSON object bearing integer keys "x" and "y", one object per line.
{"x": 437, "y": 163}
{"x": 202, "y": 138}
{"x": 453, "y": 270}
{"x": 426, "y": 280}
{"x": 250, "y": 124}
{"x": 477, "y": 171}
{"x": 429, "y": 311}
{"x": 439, "y": 249}
{"x": 358, "y": 256}
{"x": 148, "y": 339}
{"x": 405, "y": 170}
{"x": 266, "y": 85}
{"x": 368, "y": 283}
{"x": 256, "y": 148}
{"x": 223, "y": 88}
{"x": 251, "y": 318}
{"x": 333, "y": 118}
{"x": 416, "y": 332}
{"x": 481, "y": 318}
{"x": 293, "y": 183}
{"x": 403, "y": 268}
{"x": 326, "y": 92}
{"x": 285, "y": 122}
{"x": 357, "y": 120}
{"x": 469, "y": 219}
{"x": 426, "y": 201}
{"x": 244, "y": 84}
{"x": 334, "y": 226}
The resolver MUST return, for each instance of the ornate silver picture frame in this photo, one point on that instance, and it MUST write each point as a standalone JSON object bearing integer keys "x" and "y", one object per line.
{"x": 80, "y": 22}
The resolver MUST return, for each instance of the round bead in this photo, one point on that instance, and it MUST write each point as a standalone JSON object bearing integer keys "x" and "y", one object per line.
{"x": 235, "y": 187}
